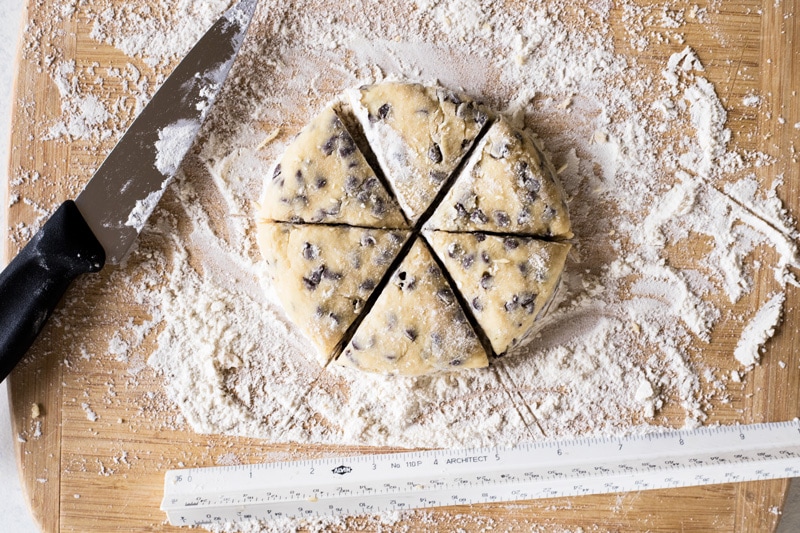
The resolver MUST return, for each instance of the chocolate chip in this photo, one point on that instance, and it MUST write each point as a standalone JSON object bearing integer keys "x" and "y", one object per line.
{"x": 396, "y": 238}
{"x": 334, "y": 318}
{"x": 528, "y": 302}
{"x": 456, "y": 362}
{"x": 321, "y": 183}
{"x": 436, "y": 339}
{"x": 411, "y": 333}
{"x": 363, "y": 197}
{"x": 356, "y": 344}
{"x": 465, "y": 143}
{"x": 351, "y": 184}
{"x": 468, "y": 260}
{"x": 378, "y": 207}
{"x": 331, "y": 275}
{"x": 461, "y": 211}
{"x": 485, "y": 257}
{"x": 334, "y": 209}
{"x": 434, "y": 271}
{"x": 310, "y": 251}
{"x": 487, "y": 280}
{"x": 329, "y": 146}
{"x": 276, "y": 174}
{"x": 437, "y": 176}
{"x": 347, "y": 146}
{"x": 450, "y": 96}
{"x": 524, "y": 268}
{"x": 313, "y": 280}
{"x": 446, "y": 296}
{"x": 383, "y": 111}
{"x": 480, "y": 237}
{"x": 299, "y": 177}
{"x": 385, "y": 257}
{"x": 454, "y": 250}
{"x": 522, "y": 169}
{"x": 480, "y": 117}
{"x": 512, "y": 304}
{"x": 502, "y": 218}
{"x": 435, "y": 153}
{"x": 500, "y": 150}
{"x": 391, "y": 357}
{"x": 368, "y": 240}
{"x": 478, "y": 217}
{"x": 529, "y": 197}
{"x": 476, "y": 304}
{"x": 367, "y": 285}
{"x": 527, "y": 181}
{"x": 548, "y": 214}
{"x": 371, "y": 184}
{"x": 406, "y": 282}
{"x": 510, "y": 243}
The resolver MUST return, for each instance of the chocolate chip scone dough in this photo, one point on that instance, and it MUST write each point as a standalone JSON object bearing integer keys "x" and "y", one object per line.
{"x": 324, "y": 275}
{"x": 506, "y": 281}
{"x": 323, "y": 177}
{"x": 416, "y": 326}
{"x": 418, "y": 134}
{"x": 507, "y": 186}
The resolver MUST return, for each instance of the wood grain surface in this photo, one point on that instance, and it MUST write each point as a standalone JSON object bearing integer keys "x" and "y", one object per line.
{"x": 107, "y": 475}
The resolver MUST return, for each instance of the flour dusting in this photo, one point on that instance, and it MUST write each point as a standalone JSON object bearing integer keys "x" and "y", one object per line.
{"x": 760, "y": 328}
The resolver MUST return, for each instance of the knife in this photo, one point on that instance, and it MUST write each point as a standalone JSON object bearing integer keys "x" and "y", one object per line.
{"x": 103, "y": 222}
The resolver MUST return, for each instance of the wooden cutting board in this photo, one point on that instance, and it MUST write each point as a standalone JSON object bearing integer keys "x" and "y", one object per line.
{"x": 107, "y": 475}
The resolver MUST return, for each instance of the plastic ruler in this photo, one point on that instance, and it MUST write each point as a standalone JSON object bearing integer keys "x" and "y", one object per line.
{"x": 371, "y": 484}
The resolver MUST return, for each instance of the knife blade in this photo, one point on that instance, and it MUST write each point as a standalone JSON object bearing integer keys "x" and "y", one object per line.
{"x": 103, "y": 222}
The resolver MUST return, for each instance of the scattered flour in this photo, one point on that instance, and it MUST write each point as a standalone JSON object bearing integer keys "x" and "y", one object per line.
{"x": 84, "y": 115}
{"x": 91, "y": 416}
{"x": 173, "y": 143}
{"x": 760, "y": 328}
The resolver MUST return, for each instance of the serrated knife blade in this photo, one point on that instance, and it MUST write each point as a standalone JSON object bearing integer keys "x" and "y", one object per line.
{"x": 104, "y": 221}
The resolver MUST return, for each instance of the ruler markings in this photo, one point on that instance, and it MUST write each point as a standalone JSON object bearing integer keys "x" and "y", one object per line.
{"x": 368, "y": 484}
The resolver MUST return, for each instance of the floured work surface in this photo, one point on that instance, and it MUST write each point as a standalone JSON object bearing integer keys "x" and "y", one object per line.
{"x": 673, "y": 129}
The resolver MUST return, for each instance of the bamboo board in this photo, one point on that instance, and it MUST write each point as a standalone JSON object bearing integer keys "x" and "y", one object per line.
{"x": 107, "y": 475}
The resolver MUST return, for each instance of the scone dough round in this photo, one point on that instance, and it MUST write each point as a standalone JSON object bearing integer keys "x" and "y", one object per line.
{"x": 407, "y": 230}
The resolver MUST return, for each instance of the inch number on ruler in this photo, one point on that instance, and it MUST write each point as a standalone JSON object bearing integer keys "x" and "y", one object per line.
{"x": 370, "y": 484}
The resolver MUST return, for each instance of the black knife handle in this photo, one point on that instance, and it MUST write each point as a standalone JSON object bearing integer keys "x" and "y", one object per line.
{"x": 36, "y": 279}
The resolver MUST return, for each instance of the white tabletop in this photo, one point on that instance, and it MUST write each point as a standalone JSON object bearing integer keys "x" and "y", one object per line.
{"x": 13, "y": 507}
